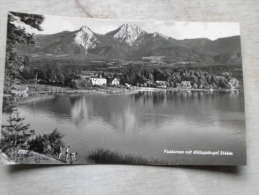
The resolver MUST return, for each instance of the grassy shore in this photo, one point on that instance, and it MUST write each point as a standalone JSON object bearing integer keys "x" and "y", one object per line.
{"x": 106, "y": 156}
{"x": 37, "y": 158}
{"x": 30, "y": 158}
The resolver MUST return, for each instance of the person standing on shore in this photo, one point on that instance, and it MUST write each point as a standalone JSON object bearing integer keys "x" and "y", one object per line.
{"x": 67, "y": 153}
{"x": 73, "y": 156}
{"x": 60, "y": 152}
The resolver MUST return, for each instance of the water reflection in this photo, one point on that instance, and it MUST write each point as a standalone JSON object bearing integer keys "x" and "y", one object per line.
{"x": 147, "y": 109}
{"x": 216, "y": 100}
{"x": 79, "y": 109}
{"x": 195, "y": 108}
{"x": 144, "y": 121}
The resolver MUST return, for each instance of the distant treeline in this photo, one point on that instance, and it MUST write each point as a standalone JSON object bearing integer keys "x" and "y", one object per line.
{"x": 137, "y": 74}
{"x": 173, "y": 77}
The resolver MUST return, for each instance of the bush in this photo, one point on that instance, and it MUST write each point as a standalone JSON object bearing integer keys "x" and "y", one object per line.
{"x": 47, "y": 143}
{"x": 79, "y": 83}
{"x": 107, "y": 156}
{"x": 40, "y": 145}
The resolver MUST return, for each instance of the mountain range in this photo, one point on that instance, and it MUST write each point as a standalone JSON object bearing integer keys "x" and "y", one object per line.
{"x": 131, "y": 42}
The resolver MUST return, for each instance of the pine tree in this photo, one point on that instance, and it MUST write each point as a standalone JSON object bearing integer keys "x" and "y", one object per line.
{"x": 16, "y": 134}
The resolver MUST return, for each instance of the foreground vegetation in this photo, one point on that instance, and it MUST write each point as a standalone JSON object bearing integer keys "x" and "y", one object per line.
{"x": 19, "y": 142}
{"x": 106, "y": 156}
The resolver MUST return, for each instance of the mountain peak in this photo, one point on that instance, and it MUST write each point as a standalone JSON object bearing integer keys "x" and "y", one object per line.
{"x": 130, "y": 28}
{"x": 86, "y": 38}
{"x": 128, "y": 33}
{"x": 86, "y": 29}
{"x": 129, "y": 25}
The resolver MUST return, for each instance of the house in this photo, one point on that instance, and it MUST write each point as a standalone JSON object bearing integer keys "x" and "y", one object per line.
{"x": 20, "y": 90}
{"x": 113, "y": 81}
{"x": 98, "y": 81}
{"x": 161, "y": 84}
{"x": 186, "y": 84}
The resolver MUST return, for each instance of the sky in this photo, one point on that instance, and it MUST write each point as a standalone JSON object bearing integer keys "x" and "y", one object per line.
{"x": 177, "y": 30}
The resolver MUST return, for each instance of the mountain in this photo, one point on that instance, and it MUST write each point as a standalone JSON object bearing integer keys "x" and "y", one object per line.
{"x": 67, "y": 43}
{"x": 131, "y": 42}
{"x": 86, "y": 38}
{"x": 129, "y": 34}
{"x": 195, "y": 43}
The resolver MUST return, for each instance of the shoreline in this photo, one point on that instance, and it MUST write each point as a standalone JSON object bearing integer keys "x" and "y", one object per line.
{"x": 61, "y": 91}
{"x": 114, "y": 90}
{"x": 36, "y": 96}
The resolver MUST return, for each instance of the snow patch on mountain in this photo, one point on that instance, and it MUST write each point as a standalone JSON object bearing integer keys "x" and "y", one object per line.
{"x": 86, "y": 38}
{"x": 128, "y": 33}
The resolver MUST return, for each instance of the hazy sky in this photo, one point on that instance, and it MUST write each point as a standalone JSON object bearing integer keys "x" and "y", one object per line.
{"x": 177, "y": 30}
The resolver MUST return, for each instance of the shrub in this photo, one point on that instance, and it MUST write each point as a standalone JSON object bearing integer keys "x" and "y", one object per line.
{"x": 112, "y": 157}
{"x": 47, "y": 143}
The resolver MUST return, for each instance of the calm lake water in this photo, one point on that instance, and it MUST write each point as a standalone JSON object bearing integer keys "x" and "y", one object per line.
{"x": 146, "y": 123}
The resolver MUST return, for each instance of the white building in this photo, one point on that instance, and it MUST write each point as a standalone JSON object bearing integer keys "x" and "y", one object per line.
{"x": 20, "y": 90}
{"x": 113, "y": 81}
{"x": 98, "y": 81}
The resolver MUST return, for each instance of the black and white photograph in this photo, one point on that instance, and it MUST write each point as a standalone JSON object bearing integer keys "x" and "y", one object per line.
{"x": 109, "y": 91}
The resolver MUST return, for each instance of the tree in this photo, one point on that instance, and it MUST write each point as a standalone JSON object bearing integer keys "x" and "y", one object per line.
{"x": 26, "y": 73}
{"x": 16, "y": 134}
{"x": 16, "y": 34}
{"x": 61, "y": 78}
{"x": 47, "y": 143}
{"x": 222, "y": 82}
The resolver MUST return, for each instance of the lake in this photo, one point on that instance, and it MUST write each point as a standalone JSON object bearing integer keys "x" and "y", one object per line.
{"x": 146, "y": 123}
